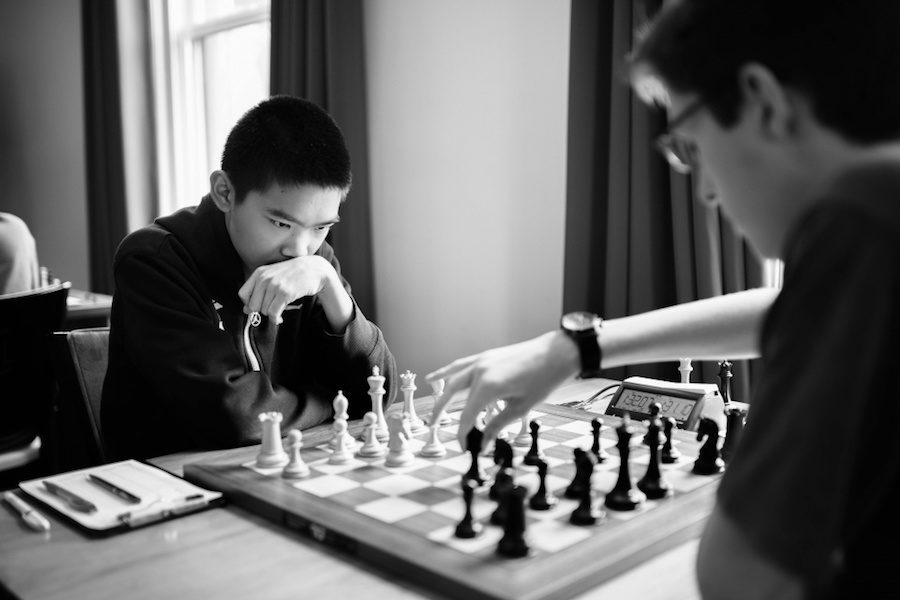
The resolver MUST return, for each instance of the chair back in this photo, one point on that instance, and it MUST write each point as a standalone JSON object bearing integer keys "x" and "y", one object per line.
{"x": 80, "y": 357}
{"x": 27, "y": 320}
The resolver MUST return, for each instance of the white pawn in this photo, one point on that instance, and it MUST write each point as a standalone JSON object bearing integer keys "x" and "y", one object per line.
{"x": 523, "y": 438}
{"x": 376, "y": 392}
{"x": 416, "y": 424}
{"x": 437, "y": 393}
{"x": 296, "y": 468}
{"x": 340, "y": 404}
{"x": 371, "y": 447}
{"x": 685, "y": 368}
{"x": 434, "y": 448}
{"x": 340, "y": 454}
{"x": 271, "y": 452}
{"x": 399, "y": 454}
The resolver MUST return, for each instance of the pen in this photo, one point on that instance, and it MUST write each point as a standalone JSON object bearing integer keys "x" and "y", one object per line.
{"x": 140, "y": 517}
{"x": 73, "y": 500}
{"x": 35, "y": 520}
{"x": 113, "y": 488}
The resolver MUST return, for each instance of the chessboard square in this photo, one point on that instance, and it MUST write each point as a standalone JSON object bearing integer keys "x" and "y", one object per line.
{"x": 367, "y": 472}
{"x": 562, "y": 435}
{"x": 435, "y": 472}
{"x": 395, "y": 484}
{"x": 415, "y": 445}
{"x": 267, "y": 472}
{"x": 555, "y": 535}
{"x": 577, "y": 427}
{"x": 459, "y": 464}
{"x": 455, "y": 508}
{"x": 431, "y": 495}
{"x": 452, "y": 446}
{"x": 425, "y": 522}
{"x": 486, "y": 541}
{"x": 326, "y": 486}
{"x": 317, "y": 453}
{"x": 390, "y": 510}
{"x": 562, "y": 452}
{"x": 549, "y": 421}
{"x": 585, "y": 443}
{"x": 604, "y": 480}
{"x": 331, "y": 469}
{"x": 355, "y": 497}
{"x": 684, "y": 482}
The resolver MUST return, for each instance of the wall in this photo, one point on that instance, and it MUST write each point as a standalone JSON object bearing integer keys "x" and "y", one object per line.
{"x": 468, "y": 152}
{"x": 42, "y": 167}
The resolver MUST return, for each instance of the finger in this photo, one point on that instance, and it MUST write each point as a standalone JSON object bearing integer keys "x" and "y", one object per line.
{"x": 478, "y": 398}
{"x": 246, "y": 290}
{"x": 451, "y": 387}
{"x": 455, "y": 367}
{"x": 274, "y": 305}
{"x": 512, "y": 412}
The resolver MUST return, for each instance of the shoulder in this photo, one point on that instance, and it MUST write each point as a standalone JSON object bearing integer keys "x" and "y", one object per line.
{"x": 13, "y": 231}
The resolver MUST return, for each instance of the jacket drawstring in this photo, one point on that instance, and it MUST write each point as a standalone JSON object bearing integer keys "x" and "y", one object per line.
{"x": 253, "y": 319}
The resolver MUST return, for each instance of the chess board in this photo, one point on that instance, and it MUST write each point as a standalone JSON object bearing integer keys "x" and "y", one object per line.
{"x": 403, "y": 519}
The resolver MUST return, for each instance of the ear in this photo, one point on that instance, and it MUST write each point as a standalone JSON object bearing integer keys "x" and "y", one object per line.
{"x": 766, "y": 101}
{"x": 221, "y": 191}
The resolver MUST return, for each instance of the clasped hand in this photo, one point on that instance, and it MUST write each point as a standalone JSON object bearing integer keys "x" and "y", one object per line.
{"x": 272, "y": 287}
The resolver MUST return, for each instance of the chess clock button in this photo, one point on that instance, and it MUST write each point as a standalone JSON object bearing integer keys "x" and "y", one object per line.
{"x": 584, "y": 327}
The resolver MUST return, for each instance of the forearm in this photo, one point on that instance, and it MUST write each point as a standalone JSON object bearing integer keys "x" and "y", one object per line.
{"x": 725, "y": 326}
{"x": 337, "y": 304}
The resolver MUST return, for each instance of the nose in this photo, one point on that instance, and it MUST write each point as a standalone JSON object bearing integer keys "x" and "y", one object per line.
{"x": 296, "y": 245}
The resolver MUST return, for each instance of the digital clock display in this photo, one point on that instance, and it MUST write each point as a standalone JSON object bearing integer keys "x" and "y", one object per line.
{"x": 636, "y": 400}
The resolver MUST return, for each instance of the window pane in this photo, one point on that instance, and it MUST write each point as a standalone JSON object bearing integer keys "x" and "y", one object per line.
{"x": 203, "y": 11}
{"x": 236, "y": 73}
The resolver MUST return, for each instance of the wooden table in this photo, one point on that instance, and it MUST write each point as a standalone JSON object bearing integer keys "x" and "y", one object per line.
{"x": 230, "y": 553}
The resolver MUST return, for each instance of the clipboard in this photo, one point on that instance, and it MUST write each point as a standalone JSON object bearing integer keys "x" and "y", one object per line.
{"x": 124, "y": 495}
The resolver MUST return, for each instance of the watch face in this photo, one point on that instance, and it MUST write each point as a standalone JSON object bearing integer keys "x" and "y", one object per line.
{"x": 578, "y": 321}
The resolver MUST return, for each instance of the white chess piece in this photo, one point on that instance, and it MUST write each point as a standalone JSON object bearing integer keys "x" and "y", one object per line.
{"x": 434, "y": 448}
{"x": 407, "y": 388}
{"x": 399, "y": 454}
{"x": 371, "y": 447}
{"x": 523, "y": 438}
{"x": 340, "y": 454}
{"x": 271, "y": 452}
{"x": 437, "y": 393}
{"x": 340, "y": 404}
{"x": 296, "y": 468}
{"x": 376, "y": 392}
{"x": 685, "y": 368}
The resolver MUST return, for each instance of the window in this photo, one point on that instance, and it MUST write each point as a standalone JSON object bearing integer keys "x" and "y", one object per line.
{"x": 210, "y": 64}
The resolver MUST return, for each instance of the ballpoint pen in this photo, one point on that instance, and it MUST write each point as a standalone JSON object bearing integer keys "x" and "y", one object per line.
{"x": 113, "y": 488}
{"x": 35, "y": 520}
{"x": 72, "y": 499}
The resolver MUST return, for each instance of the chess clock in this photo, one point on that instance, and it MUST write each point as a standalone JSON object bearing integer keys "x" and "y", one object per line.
{"x": 684, "y": 402}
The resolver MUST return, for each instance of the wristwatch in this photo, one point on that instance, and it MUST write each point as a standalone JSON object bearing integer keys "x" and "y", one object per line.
{"x": 584, "y": 327}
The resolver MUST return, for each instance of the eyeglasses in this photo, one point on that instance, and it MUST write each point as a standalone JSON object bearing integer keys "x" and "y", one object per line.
{"x": 678, "y": 152}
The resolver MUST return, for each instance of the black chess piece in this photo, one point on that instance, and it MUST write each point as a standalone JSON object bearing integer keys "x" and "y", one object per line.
{"x": 655, "y": 409}
{"x": 502, "y": 485}
{"x": 584, "y": 468}
{"x": 734, "y": 427}
{"x": 513, "y": 543}
{"x": 670, "y": 453}
{"x": 624, "y": 496}
{"x": 541, "y": 499}
{"x": 473, "y": 446}
{"x": 653, "y": 484}
{"x": 708, "y": 460}
{"x": 596, "y": 448}
{"x": 725, "y": 376}
{"x": 533, "y": 456}
{"x": 584, "y": 513}
{"x": 467, "y": 527}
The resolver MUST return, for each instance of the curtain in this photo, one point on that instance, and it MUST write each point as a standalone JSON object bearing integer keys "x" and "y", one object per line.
{"x": 119, "y": 139}
{"x": 636, "y": 237}
{"x": 318, "y": 53}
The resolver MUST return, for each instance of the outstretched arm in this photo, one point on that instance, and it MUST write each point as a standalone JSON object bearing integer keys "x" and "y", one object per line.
{"x": 524, "y": 374}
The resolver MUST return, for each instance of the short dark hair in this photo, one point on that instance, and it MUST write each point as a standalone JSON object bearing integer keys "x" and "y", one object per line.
{"x": 289, "y": 141}
{"x": 844, "y": 55}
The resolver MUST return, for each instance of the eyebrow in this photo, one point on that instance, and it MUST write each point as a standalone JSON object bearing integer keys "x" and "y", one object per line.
{"x": 275, "y": 212}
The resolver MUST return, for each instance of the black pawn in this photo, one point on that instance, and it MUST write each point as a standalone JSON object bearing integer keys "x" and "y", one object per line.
{"x": 708, "y": 460}
{"x": 501, "y": 488}
{"x": 599, "y": 452}
{"x": 725, "y": 376}
{"x": 513, "y": 544}
{"x": 653, "y": 484}
{"x": 670, "y": 453}
{"x": 473, "y": 446}
{"x": 655, "y": 409}
{"x": 503, "y": 456}
{"x": 584, "y": 468}
{"x": 534, "y": 456}
{"x": 624, "y": 496}
{"x": 467, "y": 528}
{"x": 584, "y": 513}
{"x": 541, "y": 499}
{"x": 734, "y": 427}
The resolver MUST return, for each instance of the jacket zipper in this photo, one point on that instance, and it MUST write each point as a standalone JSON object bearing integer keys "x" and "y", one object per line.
{"x": 253, "y": 319}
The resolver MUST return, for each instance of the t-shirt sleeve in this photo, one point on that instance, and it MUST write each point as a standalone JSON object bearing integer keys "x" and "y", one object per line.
{"x": 792, "y": 480}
